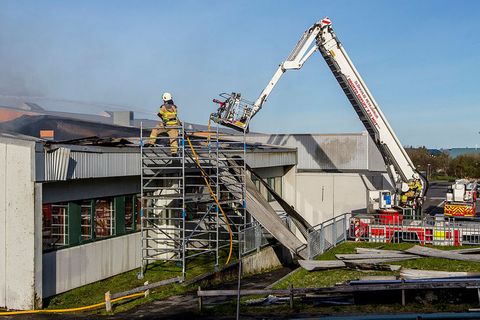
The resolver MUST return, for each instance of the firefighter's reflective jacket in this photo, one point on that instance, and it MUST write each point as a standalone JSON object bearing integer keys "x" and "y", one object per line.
{"x": 168, "y": 114}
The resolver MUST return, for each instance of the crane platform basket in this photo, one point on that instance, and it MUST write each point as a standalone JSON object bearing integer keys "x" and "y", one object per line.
{"x": 233, "y": 112}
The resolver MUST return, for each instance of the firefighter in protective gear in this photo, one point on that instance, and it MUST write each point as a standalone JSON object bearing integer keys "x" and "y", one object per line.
{"x": 414, "y": 191}
{"x": 169, "y": 123}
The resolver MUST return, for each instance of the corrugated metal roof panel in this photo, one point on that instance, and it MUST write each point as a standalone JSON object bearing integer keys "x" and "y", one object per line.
{"x": 63, "y": 165}
{"x": 56, "y": 164}
{"x": 100, "y": 165}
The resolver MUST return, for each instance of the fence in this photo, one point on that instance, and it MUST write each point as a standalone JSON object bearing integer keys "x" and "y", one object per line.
{"x": 320, "y": 238}
{"x": 327, "y": 234}
{"x": 393, "y": 227}
{"x": 434, "y": 230}
{"x": 253, "y": 238}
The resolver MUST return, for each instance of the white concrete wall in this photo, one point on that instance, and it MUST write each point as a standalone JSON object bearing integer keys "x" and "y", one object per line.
{"x": 319, "y": 196}
{"x": 70, "y": 268}
{"x": 289, "y": 186}
{"x": 20, "y": 225}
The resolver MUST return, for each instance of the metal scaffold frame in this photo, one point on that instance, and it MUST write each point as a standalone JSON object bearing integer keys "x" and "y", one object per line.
{"x": 180, "y": 197}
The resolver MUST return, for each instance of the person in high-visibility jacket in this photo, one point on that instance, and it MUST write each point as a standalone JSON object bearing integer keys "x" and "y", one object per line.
{"x": 414, "y": 190}
{"x": 169, "y": 123}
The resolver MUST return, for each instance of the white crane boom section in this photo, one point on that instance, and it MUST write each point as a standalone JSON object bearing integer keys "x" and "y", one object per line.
{"x": 322, "y": 37}
{"x": 237, "y": 113}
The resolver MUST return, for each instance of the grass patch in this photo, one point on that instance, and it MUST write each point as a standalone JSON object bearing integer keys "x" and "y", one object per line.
{"x": 443, "y": 178}
{"x": 94, "y": 292}
{"x": 323, "y": 278}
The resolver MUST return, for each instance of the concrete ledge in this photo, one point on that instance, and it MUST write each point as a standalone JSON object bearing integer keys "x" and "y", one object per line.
{"x": 268, "y": 258}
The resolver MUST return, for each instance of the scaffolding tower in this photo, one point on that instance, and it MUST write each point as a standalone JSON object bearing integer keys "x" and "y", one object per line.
{"x": 180, "y": 218}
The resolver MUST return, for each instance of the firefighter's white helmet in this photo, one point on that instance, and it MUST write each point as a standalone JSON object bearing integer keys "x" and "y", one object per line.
{"x": 167, "y": 96}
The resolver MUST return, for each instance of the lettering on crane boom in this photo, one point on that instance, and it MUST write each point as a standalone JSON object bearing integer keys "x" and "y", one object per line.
{"x": 364, "y": 100}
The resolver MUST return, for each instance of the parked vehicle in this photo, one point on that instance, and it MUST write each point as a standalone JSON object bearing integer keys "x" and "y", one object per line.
{"x": 461, "y": 199}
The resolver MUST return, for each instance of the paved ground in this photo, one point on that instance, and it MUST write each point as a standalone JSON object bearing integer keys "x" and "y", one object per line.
{"x": 435, "y": 197}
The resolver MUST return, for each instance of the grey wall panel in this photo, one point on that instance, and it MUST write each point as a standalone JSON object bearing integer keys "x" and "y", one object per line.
{"x": 270, "y": 172}
{"x": 322, "y": 195}
{"x": 349, "y": 152}
{"x": 70, "y": 268}
{"x": 263, "y": 159}
{"x": 375, "y": 160}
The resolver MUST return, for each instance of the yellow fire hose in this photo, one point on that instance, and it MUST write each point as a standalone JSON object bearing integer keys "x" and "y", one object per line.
{"x": 90, "y": 307}
{"x": 205, "y": 178}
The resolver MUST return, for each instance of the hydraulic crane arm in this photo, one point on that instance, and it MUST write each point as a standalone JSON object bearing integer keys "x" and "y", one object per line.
{"x": 322, "y": 37}
{"x": 304, "y": 49}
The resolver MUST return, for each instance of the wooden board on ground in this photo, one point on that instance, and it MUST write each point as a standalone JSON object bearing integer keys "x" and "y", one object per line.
{"x": 429, "y": 274}
{"x": 374, "y": 264}
{"x": 370, "y": 250}
{"x": 314, "y": 265}
{"x": 430, "y": 252}
{"x": 359, "y": 256}
{"x": 378, "y": 278}
{"x": 467, "y": 250}
{"x": 381, "y": 260}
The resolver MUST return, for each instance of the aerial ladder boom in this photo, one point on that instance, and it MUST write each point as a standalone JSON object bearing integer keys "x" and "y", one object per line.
{"x": 322, "y": 37}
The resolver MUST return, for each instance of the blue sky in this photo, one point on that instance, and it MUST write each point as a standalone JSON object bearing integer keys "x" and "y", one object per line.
{"x": 420, "y": 59}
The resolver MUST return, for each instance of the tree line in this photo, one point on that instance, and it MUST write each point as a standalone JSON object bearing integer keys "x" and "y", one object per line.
{"x": 438, "y": 165}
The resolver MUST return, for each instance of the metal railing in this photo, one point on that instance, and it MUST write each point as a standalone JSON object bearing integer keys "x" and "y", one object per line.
{"x": 327, "y": 234}
{"x": 434, "y": 230}
{"x": 252, "y": 238}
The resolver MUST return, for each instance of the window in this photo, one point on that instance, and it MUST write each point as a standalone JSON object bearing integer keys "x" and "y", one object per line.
{"x": 276, "y": 184}
{"x": 104, "y": 218}
{"x": 256, "y": 182}
{"x": 55, "y": 225}
{"x": 77, "y": 222}
{"x": 131, "y": 213}
{"x": 271, "y": 184}
{"x": 86, "y": 223}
